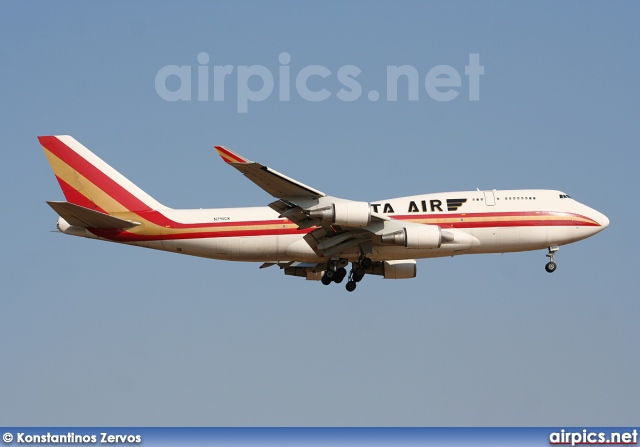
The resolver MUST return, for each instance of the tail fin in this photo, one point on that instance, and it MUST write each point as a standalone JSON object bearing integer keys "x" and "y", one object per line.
{"x": 91, "y": 183}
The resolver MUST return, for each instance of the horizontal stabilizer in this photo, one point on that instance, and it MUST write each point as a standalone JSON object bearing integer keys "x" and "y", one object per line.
{"x": 80, "y": 216}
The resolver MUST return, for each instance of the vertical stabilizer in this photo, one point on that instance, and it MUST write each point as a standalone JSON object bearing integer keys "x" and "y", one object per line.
{"x": 88, "y": 181}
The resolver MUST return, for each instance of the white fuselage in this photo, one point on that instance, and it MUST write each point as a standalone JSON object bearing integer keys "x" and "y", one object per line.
{"x": 480, "y": 222}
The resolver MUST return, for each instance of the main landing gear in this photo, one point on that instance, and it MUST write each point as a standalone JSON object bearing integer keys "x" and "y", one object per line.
{"x": 358, "y": 272}
{"x": 551, "y": 265}
{"x": 336, "y": 276}
{"x": 333, "y": 274}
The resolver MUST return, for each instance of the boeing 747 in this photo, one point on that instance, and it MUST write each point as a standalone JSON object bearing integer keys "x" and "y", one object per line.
{"x": 308, "y": 233}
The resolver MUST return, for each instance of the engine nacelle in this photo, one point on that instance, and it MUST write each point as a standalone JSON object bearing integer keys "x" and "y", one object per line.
{"x": 351, "y": 214}
{"x": 418, "y": 236}
{"x": 402, "y": 269}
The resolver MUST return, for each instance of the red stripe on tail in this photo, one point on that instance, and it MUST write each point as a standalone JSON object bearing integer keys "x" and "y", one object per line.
{"x": 93, "y": 174}
{"x": 76, "y": 197}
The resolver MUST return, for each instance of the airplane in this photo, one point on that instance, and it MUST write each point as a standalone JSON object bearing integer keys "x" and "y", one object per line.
{"x": 308, "y": 233}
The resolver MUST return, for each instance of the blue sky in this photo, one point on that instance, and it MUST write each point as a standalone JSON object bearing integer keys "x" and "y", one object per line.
{"x": 102, "y": 334}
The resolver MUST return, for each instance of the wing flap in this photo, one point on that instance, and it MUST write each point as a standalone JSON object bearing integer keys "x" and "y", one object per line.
{"x": 80, "y": 216}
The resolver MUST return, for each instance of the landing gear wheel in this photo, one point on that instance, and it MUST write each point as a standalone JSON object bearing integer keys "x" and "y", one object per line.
{"x": 326, "y": 280}
{"x": 551, "y": 265}
{"x": 340, "y": 275}
{"x": 358, "y": 274}
{"x": 351, "y": 286}
{"x": 330, "y": 274}
{"x": 366, "y": 263}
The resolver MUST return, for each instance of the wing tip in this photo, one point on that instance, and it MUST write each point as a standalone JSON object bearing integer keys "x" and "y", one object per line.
{"x": 230, "y": 156}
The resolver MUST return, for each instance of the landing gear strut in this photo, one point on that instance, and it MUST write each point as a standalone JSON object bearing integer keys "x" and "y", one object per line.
{"x": 353, "y": 279}
{"x": 355, "y": 275}
{"x": 551, "y": 265}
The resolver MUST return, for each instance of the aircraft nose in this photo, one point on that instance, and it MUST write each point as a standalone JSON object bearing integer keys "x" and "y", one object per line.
{"x": 601, "y": 219}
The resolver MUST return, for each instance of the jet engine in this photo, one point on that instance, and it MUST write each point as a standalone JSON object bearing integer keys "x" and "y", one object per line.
{"x": 351, "y": 214}
{"x": 419, "y": 236}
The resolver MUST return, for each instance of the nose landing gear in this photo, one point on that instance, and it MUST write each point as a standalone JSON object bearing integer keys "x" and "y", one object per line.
{"x": 551, "y": 265}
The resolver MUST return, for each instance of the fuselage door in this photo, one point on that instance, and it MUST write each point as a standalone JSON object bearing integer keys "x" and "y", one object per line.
{"x": 489, "y": 198}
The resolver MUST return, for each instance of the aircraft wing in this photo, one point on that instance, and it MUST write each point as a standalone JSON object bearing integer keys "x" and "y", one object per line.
{"x": 297, "y": 202}
{"x": 278, "y": 185}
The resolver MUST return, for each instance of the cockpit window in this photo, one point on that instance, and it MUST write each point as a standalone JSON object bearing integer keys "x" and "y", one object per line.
{"x": 564, "y": 196}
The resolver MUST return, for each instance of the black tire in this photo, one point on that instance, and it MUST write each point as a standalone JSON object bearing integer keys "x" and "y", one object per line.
{"x": 366, "y": 263}
{"x": 326, "y": 280}
{"x": 340, "y": 275}
{"x": 351, "y": 286}
{"x": 330, "y": 274}
{"x": 550, "y": 267}
{"x": 358, "y": 274}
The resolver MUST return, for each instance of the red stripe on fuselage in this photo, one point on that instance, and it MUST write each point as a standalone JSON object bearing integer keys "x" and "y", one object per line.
{"x": 537, "y": 218}
{"x": 125, "y": 236}
{"x": 516, "y": 223}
